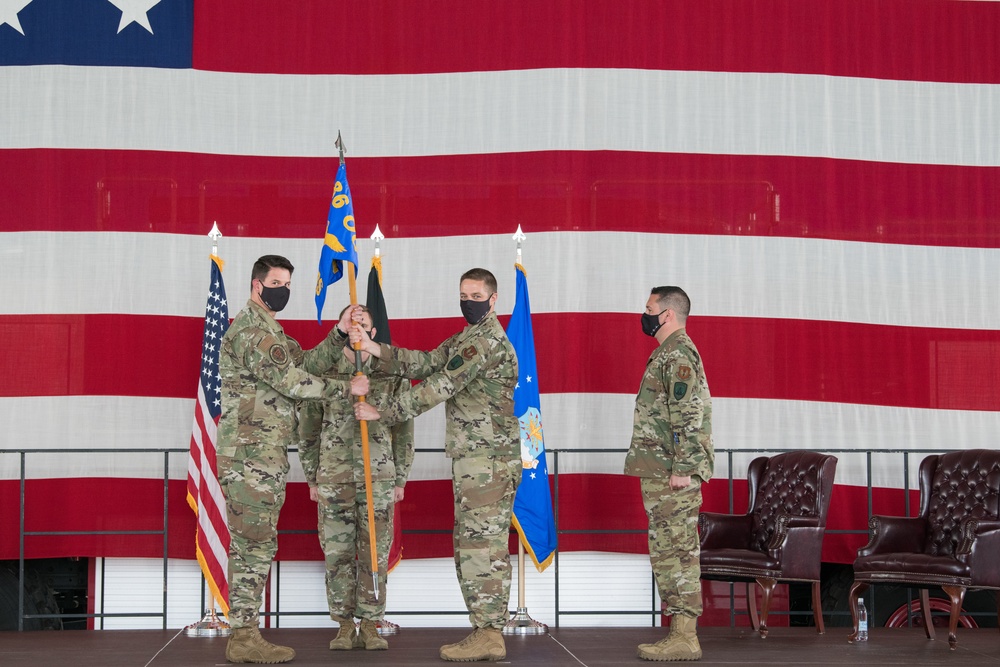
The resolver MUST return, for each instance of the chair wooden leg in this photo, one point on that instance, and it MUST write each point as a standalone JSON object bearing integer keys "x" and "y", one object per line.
{"x": 858, "y": 589}
{"x": 752, "y": 606}
{"x": 957, "y": 595}
{"x": 925, "y": 611}
{"x": 765, "y": 605}
{"x": 818, "y": 608}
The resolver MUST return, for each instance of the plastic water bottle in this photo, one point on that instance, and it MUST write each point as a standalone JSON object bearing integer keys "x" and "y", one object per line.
{"x": 862, "y": 622}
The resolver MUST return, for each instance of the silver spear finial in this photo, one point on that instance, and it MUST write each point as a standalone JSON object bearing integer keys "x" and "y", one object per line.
{"x": 215, "y": 235}
{"x": 519, "y": 236}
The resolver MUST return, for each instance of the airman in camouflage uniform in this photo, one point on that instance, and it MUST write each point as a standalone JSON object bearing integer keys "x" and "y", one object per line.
{"x": 672, "y": 452}
{"x": 474, "y": 371}
{"x": 334, "y": 467}
{"x": 264, "y": 374}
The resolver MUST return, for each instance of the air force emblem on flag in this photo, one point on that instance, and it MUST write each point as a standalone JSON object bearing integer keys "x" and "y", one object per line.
{"x": 531, "y": 437}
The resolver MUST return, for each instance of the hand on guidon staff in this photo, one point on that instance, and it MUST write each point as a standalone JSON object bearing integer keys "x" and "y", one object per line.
{"x": 365, "y": 412}
{"x": 358, "y": 335}
{"x": 351, "y": 315}
{"x": 359, "y": 385}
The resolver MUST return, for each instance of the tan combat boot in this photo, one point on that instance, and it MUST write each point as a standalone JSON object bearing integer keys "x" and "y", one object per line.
{"x": 680, "y": 644}
{"x": 482, "y": 644}
{"x": 369, "y": 637}
{"x": 246, "y": 645}
{"x": 347, "y": 635}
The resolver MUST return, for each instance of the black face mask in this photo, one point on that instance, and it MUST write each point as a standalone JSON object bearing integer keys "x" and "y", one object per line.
{"x": 651, "y": 323}
{"x": 275, "y": 298}
{"x": 475, "y": 311}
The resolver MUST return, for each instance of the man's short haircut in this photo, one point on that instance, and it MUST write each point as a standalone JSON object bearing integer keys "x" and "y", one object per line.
{"x": 264, "y": 265}
{"x": 486, "y": 277}
{"x": 673, "y": 298}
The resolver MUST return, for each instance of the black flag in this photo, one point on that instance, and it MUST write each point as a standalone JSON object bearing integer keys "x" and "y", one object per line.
{"x": 376, "y": 304}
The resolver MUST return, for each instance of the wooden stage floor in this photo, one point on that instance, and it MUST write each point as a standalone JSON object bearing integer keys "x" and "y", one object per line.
{"x": 572, "y": 647}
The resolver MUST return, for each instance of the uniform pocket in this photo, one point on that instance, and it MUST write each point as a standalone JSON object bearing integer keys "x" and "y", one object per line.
{"x": 254, "y": 487}
{"x": 482, "y": 481}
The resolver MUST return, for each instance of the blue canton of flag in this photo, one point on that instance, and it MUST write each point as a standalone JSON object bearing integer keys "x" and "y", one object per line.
{"x": 340, "y": 244}
{"x": 216, "y": 325}
{"x": 533, "y": 516}
{"x": 127, "y": 33}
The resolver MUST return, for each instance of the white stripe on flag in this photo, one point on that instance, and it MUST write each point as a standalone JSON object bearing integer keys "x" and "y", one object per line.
{"x": 736, "y": 276}
{"x": 501, "y": 111}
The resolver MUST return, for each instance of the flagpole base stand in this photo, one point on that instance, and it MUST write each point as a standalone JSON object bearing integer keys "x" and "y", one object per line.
{"x": 209, "y": 626}
{"x": 387, "y": 628}
{"x": 522, "y": 624}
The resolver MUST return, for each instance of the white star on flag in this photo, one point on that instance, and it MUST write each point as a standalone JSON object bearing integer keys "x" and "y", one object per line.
{"x": 134, "y": 11}
{"x": 9, "y": 10}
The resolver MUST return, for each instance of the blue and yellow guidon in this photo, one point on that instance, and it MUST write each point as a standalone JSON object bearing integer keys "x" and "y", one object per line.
{"x": 339, "y": 242}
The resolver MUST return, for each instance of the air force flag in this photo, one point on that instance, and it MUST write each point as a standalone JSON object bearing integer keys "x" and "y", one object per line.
{"x": 533, "y": 517}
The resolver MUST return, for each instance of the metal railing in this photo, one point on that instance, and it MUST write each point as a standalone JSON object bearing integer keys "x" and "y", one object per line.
{"x": 553, "y": 457}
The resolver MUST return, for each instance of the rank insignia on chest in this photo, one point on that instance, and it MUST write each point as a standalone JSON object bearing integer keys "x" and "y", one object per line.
{"x": 456, "y": 362}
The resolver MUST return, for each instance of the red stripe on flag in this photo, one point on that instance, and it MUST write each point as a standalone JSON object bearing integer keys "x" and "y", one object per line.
{"x": 746, "y": 195}
{"x": 761, "y": 358}
{"x": 885, "y": 39}
{"x": 584, "y": 502}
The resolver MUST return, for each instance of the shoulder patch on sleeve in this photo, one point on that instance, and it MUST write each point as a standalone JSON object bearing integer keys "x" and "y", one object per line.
{"x": 680, "y": 388}
{"x": 278, "y": 354}
{"x": 684, "y": 373}
{"x": 470, "y": 352}
{"x": 456, "y": 362}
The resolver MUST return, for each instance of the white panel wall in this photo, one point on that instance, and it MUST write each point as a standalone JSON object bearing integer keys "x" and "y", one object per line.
{"x": 421, "y": 592}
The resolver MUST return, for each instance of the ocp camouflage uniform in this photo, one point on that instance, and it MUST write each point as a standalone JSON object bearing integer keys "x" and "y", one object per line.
{"x": 672, "y": 434}
{"x": 332, "y": 459}
{"x": 474, "y": 371}
{"x": 264, "y": 374}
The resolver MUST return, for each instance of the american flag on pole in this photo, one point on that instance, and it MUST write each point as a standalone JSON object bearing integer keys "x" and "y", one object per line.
{"x": 204, "y": 492}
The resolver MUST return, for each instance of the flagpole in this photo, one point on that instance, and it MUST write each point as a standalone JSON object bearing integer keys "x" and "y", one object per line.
{"x": 522, "y": 623}
{"x": 385, "y": 627}
{"x": 210, "y": 624}
{"x": 365, "y": 452}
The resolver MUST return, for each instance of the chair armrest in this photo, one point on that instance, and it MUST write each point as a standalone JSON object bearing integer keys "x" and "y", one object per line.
{"x": 720, "y": 531}
{"x": 892, "y": 534}
{"x": 978, "y": 534}
{"x": 978, "y": 548}
{"x": 797, "y": 543}
{"x": 787, "y": 524}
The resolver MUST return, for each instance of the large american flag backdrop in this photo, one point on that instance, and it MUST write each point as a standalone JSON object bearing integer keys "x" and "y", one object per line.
{"x": 822, "y": 177}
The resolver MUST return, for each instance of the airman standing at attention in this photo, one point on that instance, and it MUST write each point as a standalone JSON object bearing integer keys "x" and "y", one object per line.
{"x": 332, "y": 459}
{"x": 672, "y": 453}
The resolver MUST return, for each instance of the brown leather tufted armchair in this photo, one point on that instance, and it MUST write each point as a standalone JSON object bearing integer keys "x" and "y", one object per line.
{"x": 780, "y": 537}
{"x": 954, "y": 543}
